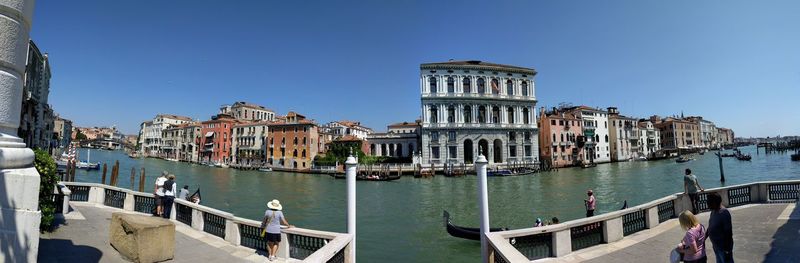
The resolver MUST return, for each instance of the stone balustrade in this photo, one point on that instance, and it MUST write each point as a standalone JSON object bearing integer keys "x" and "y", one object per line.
{"x": 296, "y": 243}
{"x": 524, "y": 245}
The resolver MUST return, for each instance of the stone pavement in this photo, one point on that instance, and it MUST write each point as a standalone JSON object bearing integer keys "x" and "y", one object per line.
{"x": 761, "y": 232}
{"x": 85, "y": 239}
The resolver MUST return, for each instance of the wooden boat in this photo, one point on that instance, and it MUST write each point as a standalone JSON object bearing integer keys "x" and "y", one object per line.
{"x": 588, "y": 165}
{"x": 367, "y": 178}
{"x": 265, "y": 169}
{"x": 471, "y": 233}
{"x": 682, "y": 159}
{"x": 744, "y": 157}
{"x": 796, "y": 157}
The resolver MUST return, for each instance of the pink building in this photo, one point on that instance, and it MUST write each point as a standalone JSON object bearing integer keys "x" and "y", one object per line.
{"x": 560, "y": 134}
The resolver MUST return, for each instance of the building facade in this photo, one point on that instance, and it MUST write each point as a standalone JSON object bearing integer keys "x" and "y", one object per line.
{"x": 249, "y": 143}
{"x": 62, "y": 128}
{"x": 595, "y": 140}
{"x": 559, "y": 138}
{"x": 36, "y": 116}
{"x": 708, "y": 132}
{"x": 474, "y": 107}
{"x": 215, "y": 140}
{"x": 401, "y": 140}
{"x": 244, "y": 111}
{"x": 151, "y": 133}
{"x": 343, "y": 128}
{"x": 649, "y": 139}
{"x": 725, "y": 136}
{"x": 678, "y": 134}
{"x": 292, "y": 143}
{"x": 623, "y": 135}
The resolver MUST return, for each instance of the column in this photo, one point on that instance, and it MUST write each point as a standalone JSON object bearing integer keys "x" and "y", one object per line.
{"x": 19, "y": 232}
{"x": 483, "y": 204}
{"x": 351, "y": 166}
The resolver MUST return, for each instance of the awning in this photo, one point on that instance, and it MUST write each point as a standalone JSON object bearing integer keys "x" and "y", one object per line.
{"x": 209, "y": 134}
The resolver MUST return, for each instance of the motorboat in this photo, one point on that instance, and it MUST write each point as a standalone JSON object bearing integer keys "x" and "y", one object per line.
{"x": 682, "y": 159}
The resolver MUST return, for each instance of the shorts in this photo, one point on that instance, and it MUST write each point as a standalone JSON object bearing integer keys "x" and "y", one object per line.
{"x": 158, "y": 198}
{"x": 273, "y": 237}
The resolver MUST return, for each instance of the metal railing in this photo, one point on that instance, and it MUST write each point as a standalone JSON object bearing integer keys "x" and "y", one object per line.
{"x": 296, "y": 243}
{"x": 558, "y": 240}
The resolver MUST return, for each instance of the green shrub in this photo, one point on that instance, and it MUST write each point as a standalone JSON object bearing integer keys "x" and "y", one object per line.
{"x": 46, "y": 167}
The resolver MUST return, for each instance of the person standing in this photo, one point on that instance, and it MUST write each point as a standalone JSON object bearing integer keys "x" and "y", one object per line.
{"x": 691, "y": 187}
{"x": 271, "y": 224}
{"x": 720, "y": 229}
{"x": 590, "y": 203}
{"x": 693, "y": 245}
{"x": 169, "y": 195}
{"x": 159, "y": 192}
{"x": 184, "y": 193}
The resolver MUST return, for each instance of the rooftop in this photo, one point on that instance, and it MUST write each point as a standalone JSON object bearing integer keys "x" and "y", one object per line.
{"x": 478, "y": 65}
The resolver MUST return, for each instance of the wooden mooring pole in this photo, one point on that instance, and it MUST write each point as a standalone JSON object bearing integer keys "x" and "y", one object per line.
{"x": 104, "y": 173}
{"x": 141, "y": 181}
{"x": 133, "y": 175}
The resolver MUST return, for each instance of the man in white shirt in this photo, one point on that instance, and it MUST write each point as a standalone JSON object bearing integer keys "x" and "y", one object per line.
{"x": 159, "y": 192}
{"x": 169, "y": 195}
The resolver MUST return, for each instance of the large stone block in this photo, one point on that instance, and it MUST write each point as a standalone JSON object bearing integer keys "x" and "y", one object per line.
{"x": 142, "y": 238}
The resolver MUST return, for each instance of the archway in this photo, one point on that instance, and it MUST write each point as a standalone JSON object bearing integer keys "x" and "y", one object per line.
{"x": 498, "y": 151}
{"x": 483, "y": 148}
{"x": 468, "y": 151}
{"x": 399, "y": 150}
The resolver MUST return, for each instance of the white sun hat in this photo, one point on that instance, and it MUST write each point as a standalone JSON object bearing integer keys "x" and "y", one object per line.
{"x": 275, "y": 205}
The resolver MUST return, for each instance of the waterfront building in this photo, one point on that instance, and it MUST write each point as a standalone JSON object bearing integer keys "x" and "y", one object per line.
{"x": 151, "y": 132}
{"x": 708, "y": 132}
{"x": 62, "y": 130}
{"x": 594, "y": 123}
{"x": 249, "y": 145}
{"x": 36, "y": 116}
{"x": 343, "y": 128}
{"x": 725, "y": 136}
{"x": 649, "y": 139}
{"x": 292, "y": 142}
{"x": 244, "y": 111}
{"x": 130, "y": 141}
{"x": 215, "y": 140}
{"x": 189, "y": 144}
{"x": 324, "y": 140}
{"x": 623, "y": 136}
{"x": 400, "y": 140}
{"x": 472, "y": 106}
{"x": 559, "y": 138}
{"x": 677, "y": 134}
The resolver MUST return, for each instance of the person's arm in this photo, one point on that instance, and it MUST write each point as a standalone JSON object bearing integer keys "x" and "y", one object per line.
{"x": 283, "y": 221}
{"x": 685, "y": 187}
{"x": 727, "y": 227}
{"x": 698, "y": 185}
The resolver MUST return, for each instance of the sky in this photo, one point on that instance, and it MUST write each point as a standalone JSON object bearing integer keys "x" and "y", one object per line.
{"x": 736, "y": 63}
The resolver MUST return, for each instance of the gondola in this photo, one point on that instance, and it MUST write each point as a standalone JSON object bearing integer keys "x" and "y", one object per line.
{"x": 624, "y": 205}
{"x": 796, "y": 157}
{"x": 192, "y": 197}
{"x": 682, "y": 159}
{"x": 588, "y": 165}
{"x": 364, "y": 178}
{"x": 470, "y": 233}
{"x": 744, "y": 157}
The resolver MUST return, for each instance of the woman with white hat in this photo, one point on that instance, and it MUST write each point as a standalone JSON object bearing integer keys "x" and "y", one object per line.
{"x": 271, "y": 225}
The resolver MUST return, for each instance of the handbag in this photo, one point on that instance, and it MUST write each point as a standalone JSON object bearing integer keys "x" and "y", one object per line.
{"x": 675, "y": 256}
{"x": 264, "y": 226}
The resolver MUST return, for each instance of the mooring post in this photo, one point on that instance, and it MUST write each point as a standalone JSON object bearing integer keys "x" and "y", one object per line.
{"x": 721, "y": 172}
{"x": 141, "y": 181}
{"x": 351, "y": 166}
{"x": 483, "y": 204}
{"x": 104, "y": 173}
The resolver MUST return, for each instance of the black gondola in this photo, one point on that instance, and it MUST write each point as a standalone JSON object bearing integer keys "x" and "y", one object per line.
{"x": 470, "y": 233}
{"x": 196, "y": 194}
{"x": 624, "y": 205}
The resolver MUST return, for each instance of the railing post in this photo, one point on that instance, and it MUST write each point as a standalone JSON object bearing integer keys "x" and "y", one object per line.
{"x": 173, "y": 215}
{"x": 651, "y": 217}
{"x": 562, "y": 243}
{"x": 763, "y": 192}
{"x": 129, "y": 202}
{"x": 97, "y": 195}
{"x": 612, "y": 230}
{"x": 351, "y": 166}
{"x": 682, "y": 203}
{"x": 232, "y": 232}
{"x": 723, "y": 194}
{"x": 284, "y": 246}
{"x": 197, "y": 219}
{"x": 483, "y": 205}
{"x": 65, "y": 204}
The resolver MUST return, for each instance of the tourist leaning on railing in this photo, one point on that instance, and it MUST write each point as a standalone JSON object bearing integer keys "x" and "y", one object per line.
{"x": 159, "y": 192}
{"x": 169, "y": 195}
{"x": 691, "y": 187}
{"x": 271, "y": 227}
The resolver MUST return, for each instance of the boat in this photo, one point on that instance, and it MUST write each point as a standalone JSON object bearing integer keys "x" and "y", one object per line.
{"x": 195, "y": 197}
{"x": 221, "y": 165}
{"x": 499, "y": 172}
{"x": 682, "y": 159}
{"x": 471, "y": 233}
{"x": 624, "y": 205}
{"x": 265, "y": 169}
{"x": 368, "y": 178}
{"x": 510, "y": 172}
{"x": 588, "y": 165}
{"x": 796, "y": 157}
{"x": 744, "y": 157}
{"x": 88, "y": 165}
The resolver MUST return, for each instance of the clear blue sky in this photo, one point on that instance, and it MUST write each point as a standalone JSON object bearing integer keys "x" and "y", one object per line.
{"x": 736, "y": 63}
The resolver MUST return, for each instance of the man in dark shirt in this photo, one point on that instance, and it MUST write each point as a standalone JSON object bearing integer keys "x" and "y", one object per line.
{"x": 720, "y": 229}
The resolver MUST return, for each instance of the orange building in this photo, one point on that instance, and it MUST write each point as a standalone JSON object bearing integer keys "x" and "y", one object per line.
{"x": 215, "y": 139}
{"x": 292, "y": 142}
{"x": 559, "y": 138}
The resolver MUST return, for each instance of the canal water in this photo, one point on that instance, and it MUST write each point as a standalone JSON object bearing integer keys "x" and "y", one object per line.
{"x": 401, "y": 221}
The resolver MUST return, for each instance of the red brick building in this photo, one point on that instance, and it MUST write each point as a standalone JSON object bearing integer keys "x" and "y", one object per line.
{"x": 292, "y": 142}
{"x": 215, "y": 139}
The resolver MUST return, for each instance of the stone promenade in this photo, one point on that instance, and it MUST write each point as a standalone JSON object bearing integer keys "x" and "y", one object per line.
{"x": 761, "y": 232}
{"x": 85, "y": 239}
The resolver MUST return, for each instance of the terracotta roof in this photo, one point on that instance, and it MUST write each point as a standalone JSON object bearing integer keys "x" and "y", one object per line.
{"x": 404, "y": 124}
{"x": 348, "y": 138}
{"x": 172, "y": 116}
{"x": 478, "y": 65}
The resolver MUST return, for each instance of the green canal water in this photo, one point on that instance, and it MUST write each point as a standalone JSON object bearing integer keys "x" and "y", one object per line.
{"x": 401, "y": 221}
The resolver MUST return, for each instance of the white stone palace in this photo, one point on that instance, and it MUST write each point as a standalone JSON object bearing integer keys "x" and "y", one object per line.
{"x": 472, "y": 105}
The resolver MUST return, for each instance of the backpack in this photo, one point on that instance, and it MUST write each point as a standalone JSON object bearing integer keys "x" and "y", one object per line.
{"x": 168, "y": 185}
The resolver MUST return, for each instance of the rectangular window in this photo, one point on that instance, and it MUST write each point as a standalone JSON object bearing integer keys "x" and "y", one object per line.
{"x": 435, "y": 136}
{"x": 528, "y": 151}
{"x": 561, "y": 122}
{"x": 452, "y": 152}
{"x": 527, "y": 136}
{"x": 435, "y": 152}
{"x": 451, "y": 136}
{"x": 512, "y": 136}
{"x": 552, "y": 122}
{"x": 512, "y": 151}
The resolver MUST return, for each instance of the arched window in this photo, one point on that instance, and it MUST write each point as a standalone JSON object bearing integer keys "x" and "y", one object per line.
{"x": 509, "y": 87}
{"x": 467, "y": 114}
{"x": 295, "y": 140}
{"x": 510, "y": 113}
{"x": 495, "y": 86}
{"x": 606, "y": 137}
{"x": 467, "y": 83}
{"x": 482, "y": 114}
{"x": 294, "y": 153}
{"x": 495, "y": 114}
{"x": 434, "y": 112}
{"x": 525, "y": 117}
{"x": 304, "y": 154}
{"x": 451, "y": 114}
{"x": 481, "y": 86}
{"x": 432, "y": 84}
{"x": 524, "y": 87}
{"x": 451, "y": 85}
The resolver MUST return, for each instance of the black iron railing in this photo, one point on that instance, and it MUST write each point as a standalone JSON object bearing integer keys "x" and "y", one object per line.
{"x": 250, "y": 236}
{"x": 738, "y": 196}
{"x": 301, "y": 247}
{"x": 586, "y": 235}
{"x": 183, "y": 214}
{"x": 782, "y": 192}
{"x": 144, "y": 204}
{"x": 634, "y": 222}
{"x": 702, "y": 202}
{"x": 338, "y": 257}
{"x": 79, "y": 193}
{"x": 214, "y": 224}
{"x": 114, "y": 198}
{"x": 666, "y": 210}
{"x": 534, "y": 246}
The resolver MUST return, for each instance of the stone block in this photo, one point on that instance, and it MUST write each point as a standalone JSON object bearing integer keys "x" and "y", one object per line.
{"x": 142, "y": 238}
{"x": 20, "y": 187}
